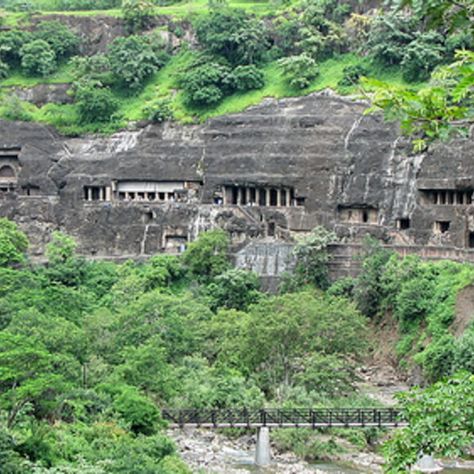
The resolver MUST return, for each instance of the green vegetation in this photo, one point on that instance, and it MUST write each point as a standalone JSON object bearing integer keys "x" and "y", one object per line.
{"x": 241, "y": 58}
{"x": 441, "y": 423}
{"x": 82, "y": 381}
{"x": 421, "y": 296}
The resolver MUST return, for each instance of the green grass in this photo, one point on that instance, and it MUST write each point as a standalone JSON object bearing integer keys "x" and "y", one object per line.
{"x": 180, "y": 10}
{"x": 18, "y": 79}
{"x": 164, "y": 84}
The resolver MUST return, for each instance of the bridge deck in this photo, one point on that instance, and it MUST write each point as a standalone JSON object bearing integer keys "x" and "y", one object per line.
{"x": 285, "y": 418}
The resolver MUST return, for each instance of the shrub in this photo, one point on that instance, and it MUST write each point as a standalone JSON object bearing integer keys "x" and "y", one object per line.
{"x": 138, "y": 411}
{"x": 11, "y": 43}
{"x": 234, "y": 289}
{"x": 134, "y": 59}
{"x": 389, "y": 36}
{"x": 422, "y": 55}
{"x": 233, "y": 34}
{"x": 4, "y": 70}
{"x": 38, "y": 58}
{"x": 208, "y": 256}
{"x": 464, "y": 352}
{"x": 352, "y": 74}
{"x": 95, "y": 104}
{"x": 159, "y": 111}
{"x": 244, "y": 78}
{"x": 137, "y": 13}
{"x": 15, "y": 109}
{"x": 204, "y": 83}
{"x": 62, "y": 40}
{"x": 13, "y": 243}
{"x": 300, "y": 70}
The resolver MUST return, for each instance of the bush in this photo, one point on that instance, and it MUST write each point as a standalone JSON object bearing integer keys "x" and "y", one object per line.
{"x": 137, "y": 13}
{"x": 244, "y": 78}
{"x": 134, "y": 59}
{"x": 15, "y": 109}
{"x": 11, "y": 43}
{"x": 62, "y": 40}
{"x": 208, "y": 255}
{"x": 234, "y": 289}
{"x": 422, "y": 55}
{"x": 232, "y": 34}
{"x": 140, "y": 413}
{"x": 38, "y": 58}
{"x": 300, "y": 70}
{"x": 464, "y": 352}
{"x": 95, "y": 104}
{"x": 204, "y": 83}
{"x": 13, "y": 243}
{"x": 159, "y": 111}
{"x": 389, "y": 36}
{"x": 4, "y": 70}
{"x": 352, "y": 74}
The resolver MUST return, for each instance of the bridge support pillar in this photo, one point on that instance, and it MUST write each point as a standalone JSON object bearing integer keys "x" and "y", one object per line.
{"x": 262, "y": 454}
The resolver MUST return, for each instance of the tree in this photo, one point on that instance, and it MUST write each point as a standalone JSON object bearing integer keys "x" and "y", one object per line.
{"x": 283, "y": 331}
{"x": 11, "y": 43}
{"x": 313, "y": 258}
{"x": 137, "y": 13}
{"x": 13, "y": 243}
{"x": 234, "y": 289}
{"x": 208, "y": 255}
{"x": 444, "y": 108}
{"x": 134, "y": 59}
{"x": 441, "y": 110}
{"x": 441, "y": 423}
{"x": 204, "y": 82}
{"x": 244, "y": 78}
{"x": 300, "y": 70}
{"x": 27, "y": 375}
{"x": 422, "y": 55}
{"x": 38, "y": 58}
{"x": 232, "y": 34}
{"x": 95, "y": 103}
{"x": 62, "y": 40}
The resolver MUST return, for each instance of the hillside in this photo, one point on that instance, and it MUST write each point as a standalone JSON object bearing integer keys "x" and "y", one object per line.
{"x": 193, "y": 69}
{"x": 228, "y": 206}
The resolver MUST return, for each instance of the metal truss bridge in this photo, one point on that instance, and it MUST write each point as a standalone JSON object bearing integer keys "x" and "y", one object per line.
{"x": 285, "y": 418}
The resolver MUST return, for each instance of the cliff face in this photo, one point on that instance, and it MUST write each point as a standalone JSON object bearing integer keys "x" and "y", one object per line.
{"x": 272, "y": 172}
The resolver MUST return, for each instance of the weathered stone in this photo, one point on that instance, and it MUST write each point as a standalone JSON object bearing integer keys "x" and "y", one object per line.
{"x": 349, "y": 172}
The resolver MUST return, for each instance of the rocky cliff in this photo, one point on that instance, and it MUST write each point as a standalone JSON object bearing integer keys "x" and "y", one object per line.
{"x": 270, "y": 173}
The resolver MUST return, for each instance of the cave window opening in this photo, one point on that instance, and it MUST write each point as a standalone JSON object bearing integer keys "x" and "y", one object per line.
{"x": 271, "y": 229}
{"x": 283, "y": 198}
{"x": 442, "y": 227}
{"x": 235, "y": 194}
{"x": 253, "y": 194}
{"x": 147, "y": 217}
{"x": 471, "y": 240}
{"x": 300, "y": 201}
{"x": 404, "y": 223}
{"x": 365, "y": 217}
{"x": 243, "y": 194}
{"x": 273, "y": 197}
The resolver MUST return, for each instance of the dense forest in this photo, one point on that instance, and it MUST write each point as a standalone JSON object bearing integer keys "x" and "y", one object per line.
{"x": 90, "y": 351}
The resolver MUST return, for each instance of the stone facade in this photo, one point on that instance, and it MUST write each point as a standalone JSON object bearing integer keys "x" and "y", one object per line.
{"x": 267, "y": 175}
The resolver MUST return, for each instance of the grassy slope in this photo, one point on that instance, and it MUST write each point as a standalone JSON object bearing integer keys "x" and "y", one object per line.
{"x": 163, "y": 84}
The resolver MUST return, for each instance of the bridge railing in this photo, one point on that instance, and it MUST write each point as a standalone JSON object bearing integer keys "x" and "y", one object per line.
{"x": 292, "y": 417}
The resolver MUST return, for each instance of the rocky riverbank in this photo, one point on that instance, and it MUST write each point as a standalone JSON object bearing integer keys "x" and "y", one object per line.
{"x": 213, "y": 453}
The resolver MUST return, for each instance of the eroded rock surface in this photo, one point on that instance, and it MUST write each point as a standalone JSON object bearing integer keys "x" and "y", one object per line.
{"x": 267, "y": 175}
